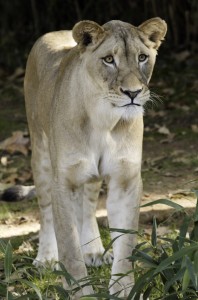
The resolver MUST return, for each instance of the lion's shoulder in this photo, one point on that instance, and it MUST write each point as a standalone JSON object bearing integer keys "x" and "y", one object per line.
{"x": 57, "y": 40}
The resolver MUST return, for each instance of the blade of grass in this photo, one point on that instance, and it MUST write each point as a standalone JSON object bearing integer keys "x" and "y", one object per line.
{"x": 101, "y": 296}
{"x": 33, "y": 286}
{"x": 9, "y": 296}
{"x": 192, "y": 274}
{"x": 178, "y": 276}
{"x": 111, "y": 243}
{"x": 154, "y": 233}
{"x": 143, "y": 257}
{"x": 184, "y": 230}
{"x": 129, "y": 231}
{"x": 165, "y": 202}
{"x": 179, "y": 254}
{"x": 61, "y": 291}
{"x": 8, "y": 261}
{"x": 2, "y": 246}
{"x": 68, "y": 277}
{"x": 140, "y": 283}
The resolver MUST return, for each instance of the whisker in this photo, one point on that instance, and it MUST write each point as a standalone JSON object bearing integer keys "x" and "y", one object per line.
{"x": 155, "y": 99}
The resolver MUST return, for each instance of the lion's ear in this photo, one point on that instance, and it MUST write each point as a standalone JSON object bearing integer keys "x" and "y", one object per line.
{"x": 155, "y": 29}
{"x": 87, "y": 32}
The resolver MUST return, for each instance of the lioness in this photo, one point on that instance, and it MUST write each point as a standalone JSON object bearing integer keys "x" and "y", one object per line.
{"x": 85, "y": 113}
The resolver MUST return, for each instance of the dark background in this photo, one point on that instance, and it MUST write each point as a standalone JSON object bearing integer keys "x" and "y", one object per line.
{"x": 170, "y": 156}
{"x": 23, "y": 21}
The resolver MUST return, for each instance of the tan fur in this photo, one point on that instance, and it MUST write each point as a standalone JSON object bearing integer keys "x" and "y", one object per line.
{"x": 82, "y": 131}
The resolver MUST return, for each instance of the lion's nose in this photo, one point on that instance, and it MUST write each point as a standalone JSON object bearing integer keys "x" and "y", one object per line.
{"x": 131, "y": 94}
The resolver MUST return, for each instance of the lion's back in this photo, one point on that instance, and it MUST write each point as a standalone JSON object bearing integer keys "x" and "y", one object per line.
{"x": 42, "y": 68}
{"x": 48, "y": 51}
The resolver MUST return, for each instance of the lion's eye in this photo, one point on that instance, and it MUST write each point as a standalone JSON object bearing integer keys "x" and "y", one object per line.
{"x": 108, "y": 59}
{"x": 142, "y": 57}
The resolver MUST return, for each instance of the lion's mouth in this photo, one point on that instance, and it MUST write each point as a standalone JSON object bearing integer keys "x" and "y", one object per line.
{"x": 130, "y": 104}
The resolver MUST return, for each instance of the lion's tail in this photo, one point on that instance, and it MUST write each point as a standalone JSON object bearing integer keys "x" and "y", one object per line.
{"x": 18, "y": 193}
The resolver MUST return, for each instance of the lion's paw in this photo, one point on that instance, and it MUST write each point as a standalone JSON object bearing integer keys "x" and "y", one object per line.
{"x": 47, "y": 259}
{"x": 97, "y": 259}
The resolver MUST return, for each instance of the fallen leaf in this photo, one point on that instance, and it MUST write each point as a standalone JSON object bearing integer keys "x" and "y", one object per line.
{"x": 25, "y": 176}
{"x": 147, "y": 129}
{"x": 11, "y": 179}
{"x": 194, "y": 128}
{"x": 4, "y": 161}
{"x": 153, "y": 113}
{"x": 169, "y": 139}
{"x": 182, "y": 193}
{"x": 177, "y": 152}
{"x": 185, "y": 108}
{"x": 169, "y": 91}
{"x": 169, "y": 174}
{"x": 18, "y": 142}
{"x": 25, "y": 247}
{"x": 182, "y": 160}
{"x": 195, "y": 87}
{"x": 182, "y": 56}
{"x": 19, "y": 72}
{"x": 164, "y": 130}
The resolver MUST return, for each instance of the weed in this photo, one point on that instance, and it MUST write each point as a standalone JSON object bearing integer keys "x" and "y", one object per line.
{"x": 165, "y": 268}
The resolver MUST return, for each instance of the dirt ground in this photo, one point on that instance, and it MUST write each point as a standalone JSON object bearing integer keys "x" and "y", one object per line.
{"x": 170, "y": 156}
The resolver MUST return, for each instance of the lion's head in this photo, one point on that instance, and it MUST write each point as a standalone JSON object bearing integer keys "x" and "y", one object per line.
{"x": 119, "y": 59}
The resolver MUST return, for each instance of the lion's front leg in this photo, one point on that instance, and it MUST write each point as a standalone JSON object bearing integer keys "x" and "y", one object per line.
{"x": 123, "y": 213}
{"x": 67, "y": 234}
{"x": 91, "y": 242}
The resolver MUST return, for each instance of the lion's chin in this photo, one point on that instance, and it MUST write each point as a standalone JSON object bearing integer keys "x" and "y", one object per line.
{"x": 132, "y": 111}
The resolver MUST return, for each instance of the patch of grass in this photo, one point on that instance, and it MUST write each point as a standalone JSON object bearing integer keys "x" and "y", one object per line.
{"x": 165, "y": 268}
{"x": 5, "y": 212}
{"x": 13, "y": 210}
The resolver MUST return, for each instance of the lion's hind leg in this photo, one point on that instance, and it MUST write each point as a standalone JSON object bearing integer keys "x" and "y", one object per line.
{"x": 41, "y": 166}
{"x": 92, "y": 246}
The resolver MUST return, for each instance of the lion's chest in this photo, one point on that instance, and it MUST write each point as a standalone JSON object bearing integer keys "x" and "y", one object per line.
{"x": 95, "y": 163}
{"x": 106, "y": 156}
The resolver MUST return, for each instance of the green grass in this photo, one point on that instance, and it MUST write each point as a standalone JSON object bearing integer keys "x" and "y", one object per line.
{"x": 165, "y": 267}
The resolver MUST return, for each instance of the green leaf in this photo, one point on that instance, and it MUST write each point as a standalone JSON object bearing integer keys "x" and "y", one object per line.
{"x": 9, "y": 296}
{"x": 88, "y": 298}
{"x": 184, "y": 230}
{"x": 111, "y": 243}
{"x": 143, "y": 257}
{"x": 194, "y": 233}
{"x": 61, "y": 291}
{"x": 33, "y": 286}
{"x": 8, "y": 261}
{"x": 196, "y": 212}
{"x": 179, "y": 254}
{"x": 196, "y": 262}
{"x": 178, "y": 276}
{"x": 68, "y": 277}
{"x": 25, "y": 297}
{"x": 196, "y": 192}
{"x": 154, "y": 233}
{"x": 185, "y": 280}
{"x": 101, "y": 296}
{"x": 140, "y": 283}
{"x": 3, "y": 289}
{"x": 126, "y": 231}
{"x": 192, "y": 274}
{"x": 175, "y": 246}
{"x": 148, "y": 291}
{"x": 2, "y": 246}
{"x": 165, "y": 202}
{"x": 138, "y": 246}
